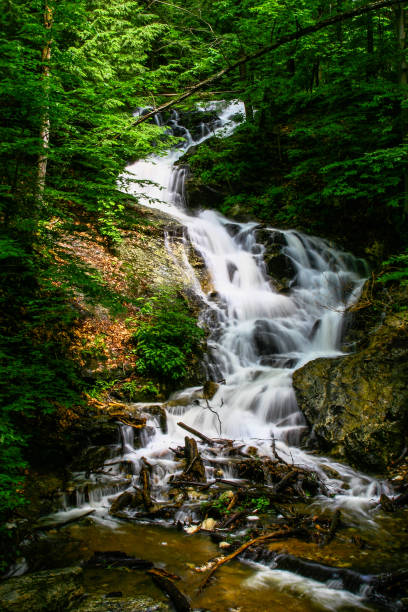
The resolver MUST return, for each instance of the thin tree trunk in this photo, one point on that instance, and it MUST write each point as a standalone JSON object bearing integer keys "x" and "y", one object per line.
{"x": 401, "y": 31}
{"x": 45, "y": 122}
{"x": 373, "y": 6}
{"x": 243, "y": 74}
{"x": 401, "y": 27}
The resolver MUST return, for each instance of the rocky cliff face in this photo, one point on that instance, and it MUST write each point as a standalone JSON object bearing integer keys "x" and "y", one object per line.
{"x": 357, "y": 405}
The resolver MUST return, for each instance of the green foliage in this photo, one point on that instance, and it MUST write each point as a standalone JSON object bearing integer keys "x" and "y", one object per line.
{"x": 100, "y": 388}
{"x": 36, "y": 374}
{"x": 396, "y": 269}
{"x": 260, "y": 503}
{"x": 166, "y": 337}
{"x": 136, "y": 391}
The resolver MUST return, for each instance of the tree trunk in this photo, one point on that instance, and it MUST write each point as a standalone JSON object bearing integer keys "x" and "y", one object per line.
{"x": 401, "y": 31}
{"x": 45, "y": 122}
{"x": 401, "y": 28}
{"x": 243, "y": 74}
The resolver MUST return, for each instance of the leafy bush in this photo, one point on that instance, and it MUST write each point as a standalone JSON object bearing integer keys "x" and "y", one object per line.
{"x": 397, "y": 269}
{"x": 167, "y": 336}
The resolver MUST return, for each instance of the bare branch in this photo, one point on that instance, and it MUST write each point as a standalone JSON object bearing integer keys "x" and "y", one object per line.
{"x": 373, "y": 6}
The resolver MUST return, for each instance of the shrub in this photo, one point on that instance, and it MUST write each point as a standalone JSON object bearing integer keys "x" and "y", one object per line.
{"x": 167, "y": 336}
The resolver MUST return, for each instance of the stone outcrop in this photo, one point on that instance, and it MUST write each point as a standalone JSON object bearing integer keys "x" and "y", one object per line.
{"x": 46, "y": 591}
{"x": 61, "y": 589}
{"x": 278, "y": 265}
{"x": 357, "y": 405}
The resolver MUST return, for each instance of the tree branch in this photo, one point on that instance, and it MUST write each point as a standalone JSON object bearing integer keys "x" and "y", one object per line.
{"x": 373, "y": 6}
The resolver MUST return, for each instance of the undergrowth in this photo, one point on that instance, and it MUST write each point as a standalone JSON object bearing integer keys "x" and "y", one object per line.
{"x": 166, "y": 336}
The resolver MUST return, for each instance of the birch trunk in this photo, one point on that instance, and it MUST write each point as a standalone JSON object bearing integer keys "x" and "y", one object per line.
{"x": 45, "y": 122}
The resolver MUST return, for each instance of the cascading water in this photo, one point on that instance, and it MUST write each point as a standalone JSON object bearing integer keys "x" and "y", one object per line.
{"x": 257, "y": 338}
{"x": 258, "y": 335}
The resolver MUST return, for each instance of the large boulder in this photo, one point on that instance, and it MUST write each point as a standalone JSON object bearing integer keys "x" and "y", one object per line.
{"x": 47, "y": 591}
{"x": 357, "y": 405}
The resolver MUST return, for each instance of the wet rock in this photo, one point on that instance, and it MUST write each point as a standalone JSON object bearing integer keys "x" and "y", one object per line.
{"x": 357, "y": 405}
{"x": 209, "y": 524}
{"x": 141, "y": 603}
{"x": 210, "y": 388}
{"x": 266, "y": 342}
{"x": 278, "y": 265}
{"x": 201, "y": 195}
{"x": 91, "y": 459}
{"x": 100, "y": 430}
{"x": 151, "y": 266}
{"x": 159, "y": 412}
{"x": 48, "y": 591}
{"x": 127, "y": 499}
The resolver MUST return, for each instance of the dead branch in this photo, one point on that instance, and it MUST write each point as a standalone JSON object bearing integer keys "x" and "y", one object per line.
{"x": 299, "y": 33}
{"x": 200, "y": 435}
{"x": 166, "y": 584}
{"x": 283, "y": 533}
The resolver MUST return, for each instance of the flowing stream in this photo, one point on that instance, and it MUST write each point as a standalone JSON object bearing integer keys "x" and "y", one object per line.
{"x": 258, "y": 337}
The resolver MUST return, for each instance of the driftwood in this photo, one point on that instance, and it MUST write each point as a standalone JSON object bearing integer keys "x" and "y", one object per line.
{"x": 233, "y": 518}
{"x": 144, "y": 480}
{"x": 195, "y": 464}
{"x": 204, "y": 486}
{"x": 283, "y": 533}
{"x": 289, "y": 476}
{"x": 166, "y": 584}
{"x": 196, "y": 433}
{"x": 140, "y": 425}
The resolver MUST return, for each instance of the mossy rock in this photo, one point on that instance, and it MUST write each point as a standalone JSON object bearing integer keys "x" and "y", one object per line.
{"x": 357, "y": 405}
{"x": 46, "y": 591}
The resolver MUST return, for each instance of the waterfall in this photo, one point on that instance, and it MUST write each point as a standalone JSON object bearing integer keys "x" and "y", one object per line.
{"x": 258, "y": 336}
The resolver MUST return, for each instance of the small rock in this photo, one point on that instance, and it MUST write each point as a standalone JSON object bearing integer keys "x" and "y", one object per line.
{"x": 208, "y": 524}
{"x": 224, "y": 545}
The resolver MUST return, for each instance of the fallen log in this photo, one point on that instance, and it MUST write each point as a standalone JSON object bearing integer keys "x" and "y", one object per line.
{"x": 204, "y": 486}
{"x": 284, "y": 481}
{"x": 233, "y": 518}
{"x": 202, "y": 437}
{"x": 166, "y": 584}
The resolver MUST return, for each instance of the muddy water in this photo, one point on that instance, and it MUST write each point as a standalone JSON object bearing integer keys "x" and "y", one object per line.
{"x": 244, "y": 587}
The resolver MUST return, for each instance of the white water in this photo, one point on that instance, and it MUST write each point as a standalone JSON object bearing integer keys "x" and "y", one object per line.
{"x": 258, "y": 338}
